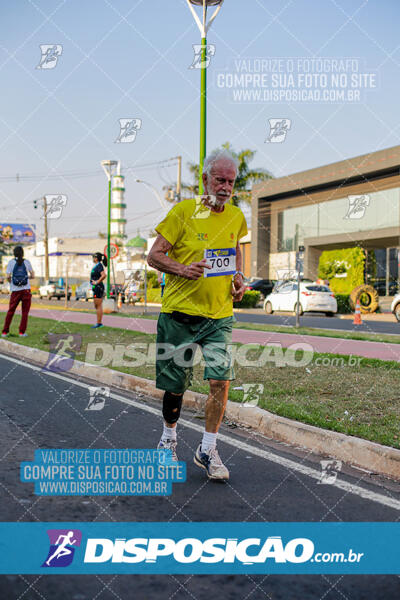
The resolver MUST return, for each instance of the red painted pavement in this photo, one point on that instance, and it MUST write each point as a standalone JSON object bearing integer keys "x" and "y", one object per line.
{"x": 381, "y": 350}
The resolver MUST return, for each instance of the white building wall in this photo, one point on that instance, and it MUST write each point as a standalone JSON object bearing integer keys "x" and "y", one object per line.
{"x": 77, "y": 257}
{"x": 281, "y": 260}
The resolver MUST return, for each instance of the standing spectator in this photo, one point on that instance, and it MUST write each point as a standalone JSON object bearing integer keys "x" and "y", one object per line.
{"x": 97, "y": 276}
{"x": 19, "y": 271}
{"x": 161, "y": 281}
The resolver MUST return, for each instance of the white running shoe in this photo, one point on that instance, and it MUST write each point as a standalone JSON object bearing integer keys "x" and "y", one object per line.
{"x": 168, "y": 445}
{"x": 212, "y": 464}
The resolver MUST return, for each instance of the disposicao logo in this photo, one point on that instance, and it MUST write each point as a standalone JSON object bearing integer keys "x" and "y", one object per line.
{"x": 191, "y": 550}
{"x": 62, "y": 547}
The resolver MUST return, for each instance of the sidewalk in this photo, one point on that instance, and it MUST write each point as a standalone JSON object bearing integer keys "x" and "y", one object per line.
{"x": 380, "y": 350}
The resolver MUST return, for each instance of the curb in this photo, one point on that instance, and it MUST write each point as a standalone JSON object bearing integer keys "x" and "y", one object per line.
{"x": 352, "y": 450}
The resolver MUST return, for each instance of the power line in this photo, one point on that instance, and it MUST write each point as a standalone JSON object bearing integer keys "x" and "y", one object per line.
{"x": 168, "y": 162}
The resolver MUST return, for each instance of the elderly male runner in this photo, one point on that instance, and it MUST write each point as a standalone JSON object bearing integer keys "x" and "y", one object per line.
{"x": 204, "y": 276}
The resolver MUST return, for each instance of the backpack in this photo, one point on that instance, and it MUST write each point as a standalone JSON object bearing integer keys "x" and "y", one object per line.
{"x": 19, "y": 275}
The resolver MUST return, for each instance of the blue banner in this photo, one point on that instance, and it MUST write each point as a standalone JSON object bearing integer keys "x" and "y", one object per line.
{"x": 103, "y": 472}
{"x": 17, "y": 233}
{"x": 199, "y": 548}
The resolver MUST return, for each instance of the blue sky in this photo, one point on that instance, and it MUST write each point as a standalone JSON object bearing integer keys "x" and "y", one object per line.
{"x": 125, "y": 59}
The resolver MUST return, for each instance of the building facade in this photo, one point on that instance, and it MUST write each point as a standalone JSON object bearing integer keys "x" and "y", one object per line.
{"x": 350, "y": 203}
{"x": 65, "y": 254}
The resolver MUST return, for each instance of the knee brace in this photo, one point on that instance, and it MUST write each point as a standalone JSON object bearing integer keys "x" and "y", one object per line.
{"x": 172, "y": 407}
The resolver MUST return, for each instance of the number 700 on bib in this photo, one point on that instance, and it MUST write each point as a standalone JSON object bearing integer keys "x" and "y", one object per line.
{"x": 221, "y": 260}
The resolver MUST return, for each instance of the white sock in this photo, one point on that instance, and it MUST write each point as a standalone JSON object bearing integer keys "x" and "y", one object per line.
{"x": 169, "y": 433}
{"x": 208, "y": 442}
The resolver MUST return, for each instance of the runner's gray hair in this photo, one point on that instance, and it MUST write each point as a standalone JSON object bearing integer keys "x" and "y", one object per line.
{"x": 216, "y": 155}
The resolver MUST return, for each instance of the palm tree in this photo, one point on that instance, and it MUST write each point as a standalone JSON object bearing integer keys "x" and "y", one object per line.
{"x": 246, "y": 176}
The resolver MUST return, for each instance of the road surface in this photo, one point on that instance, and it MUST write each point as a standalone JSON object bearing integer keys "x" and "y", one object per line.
{"x": 269, "y": 482}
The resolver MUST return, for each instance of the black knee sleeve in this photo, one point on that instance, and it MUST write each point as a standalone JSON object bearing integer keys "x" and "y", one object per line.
{"x": 172, "y": 407}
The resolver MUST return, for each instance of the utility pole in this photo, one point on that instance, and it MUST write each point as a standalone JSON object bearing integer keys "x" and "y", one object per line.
{"x": 66, "y": 282}
{"x": 179, "y": 179}
{"x": 46, "y": 242}
{"x": 300, "y": 272}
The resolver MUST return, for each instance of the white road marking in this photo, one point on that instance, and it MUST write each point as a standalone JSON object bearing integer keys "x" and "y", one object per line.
{"x": 259, "y": 452}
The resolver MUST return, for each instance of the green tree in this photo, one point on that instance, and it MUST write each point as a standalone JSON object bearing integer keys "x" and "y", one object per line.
{"x": 246, "y": 176}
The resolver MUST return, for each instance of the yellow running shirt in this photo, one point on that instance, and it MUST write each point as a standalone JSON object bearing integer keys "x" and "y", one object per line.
{"x": 196, "y": 232}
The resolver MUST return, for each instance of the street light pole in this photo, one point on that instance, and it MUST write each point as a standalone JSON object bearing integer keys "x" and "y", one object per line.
{"x": 46, "y": 242}
{"x": 109, "y": 168}
{"x": 155, "y": 192}
{"x": 179, "y": 179}
{"x": 203, "y": 27}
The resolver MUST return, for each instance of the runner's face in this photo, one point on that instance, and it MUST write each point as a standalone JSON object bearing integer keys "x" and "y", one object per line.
{"x": 221, "y": 180}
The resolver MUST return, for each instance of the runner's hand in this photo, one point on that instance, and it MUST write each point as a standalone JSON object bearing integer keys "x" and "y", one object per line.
{"x": 195, "y": 270}
{"x": 238, "y": 288}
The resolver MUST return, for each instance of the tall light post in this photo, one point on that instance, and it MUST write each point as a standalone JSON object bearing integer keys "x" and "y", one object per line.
{"x": 203, "y": 27}
{"x": 155, "y": 192}
{"x": 109, "y": 167}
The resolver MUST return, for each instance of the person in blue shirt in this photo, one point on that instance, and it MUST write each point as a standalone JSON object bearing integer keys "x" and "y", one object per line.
{"x": 97, "y": 276}
{"x": 161, "y": 281}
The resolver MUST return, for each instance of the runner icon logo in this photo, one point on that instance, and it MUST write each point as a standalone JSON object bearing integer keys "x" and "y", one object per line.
{"x": 198, "y": 62}
{"x": 98, "y": 397}
{"x": 62, "y": 547}
{"x": 50, "y": 55}
{"x": 330, "y": 470}
{"x": 252, "y": 393}
{"x": 278, "y": 129}
{"x": 63, "y": 347}
{"x": 128, "y": 130}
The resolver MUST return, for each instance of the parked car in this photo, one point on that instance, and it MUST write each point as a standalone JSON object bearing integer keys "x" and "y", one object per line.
{"x": 53, "y": 290}
{"x": 133, "y": 293}
{"x": 265, "y": 286}
{"x": 84, "y": 291}
{"x": 115, "y": 290}
{"x": 313, "y": 298}
{"x": 395, "y": 306}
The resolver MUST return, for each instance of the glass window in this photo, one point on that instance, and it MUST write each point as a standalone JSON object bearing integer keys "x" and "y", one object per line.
{"x": 317, "y": 288}
{"x": 286, "y": 289}
{"x": 345, "y": 215}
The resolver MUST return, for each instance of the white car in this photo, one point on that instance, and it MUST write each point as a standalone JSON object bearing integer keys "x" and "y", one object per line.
{"x": 53, "y": 290}
{"x": 313, "y": 298}
{"x": 395, "y": 307}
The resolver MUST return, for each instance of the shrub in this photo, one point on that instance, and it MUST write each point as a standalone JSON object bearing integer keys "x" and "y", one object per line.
{"x": 152, "y": 280}
{"x": 250, "y": 300}
{"x": 343, "y": 303}
{"x": 153, "y": 295}
{"x": 348, "y": 262}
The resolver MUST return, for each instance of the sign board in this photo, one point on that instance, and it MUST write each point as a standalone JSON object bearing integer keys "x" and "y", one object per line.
{"x": 16, "y": 233}
{"x": 286, "y": 274}
{"x": 113, "y": 250}
{"x": 300, "y": 260}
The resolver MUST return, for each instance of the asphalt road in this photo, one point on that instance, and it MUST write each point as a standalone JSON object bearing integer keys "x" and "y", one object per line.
{"x": 39, "y": 410}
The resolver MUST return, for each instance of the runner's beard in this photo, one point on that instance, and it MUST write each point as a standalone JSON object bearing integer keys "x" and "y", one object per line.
{"x": 213, "y": 200}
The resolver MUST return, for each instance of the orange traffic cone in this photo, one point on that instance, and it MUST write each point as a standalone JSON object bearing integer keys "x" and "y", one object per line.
{"x": 357, "y": 315}
{"x": 119, "y": 304}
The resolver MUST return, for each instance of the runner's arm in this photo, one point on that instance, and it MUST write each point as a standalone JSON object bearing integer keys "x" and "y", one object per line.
{"x": 102, "y": 276}
{"x": 158, "y": 260}
{"x": 9, "y": 272}
{"x": 238, "y": 283}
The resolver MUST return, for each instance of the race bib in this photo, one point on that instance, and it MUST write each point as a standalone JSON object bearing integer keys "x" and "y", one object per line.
{"x": 222, "y": 261}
